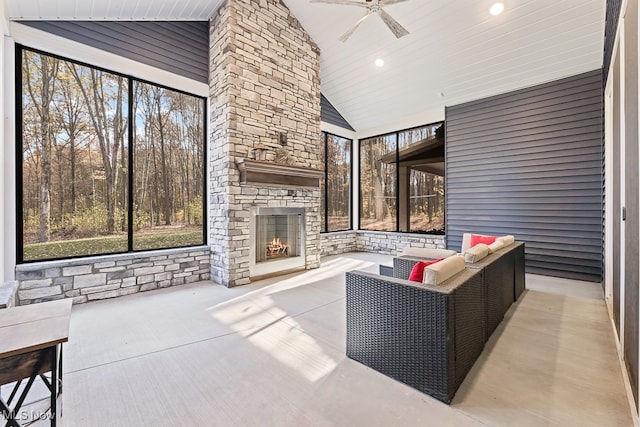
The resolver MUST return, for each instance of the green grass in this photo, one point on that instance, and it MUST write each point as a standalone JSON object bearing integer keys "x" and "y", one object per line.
{"x": 151, "y": 239}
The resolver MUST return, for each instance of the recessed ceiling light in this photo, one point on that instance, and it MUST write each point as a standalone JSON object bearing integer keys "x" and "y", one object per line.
{"x": 379, "y": 62}
{"x": 496, "y": 9}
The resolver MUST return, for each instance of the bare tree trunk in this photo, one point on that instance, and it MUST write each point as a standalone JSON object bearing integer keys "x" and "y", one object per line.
{"x": 96, "y": 107}
{"x": 167, "y": 202}
{"x": 48, "y": 69}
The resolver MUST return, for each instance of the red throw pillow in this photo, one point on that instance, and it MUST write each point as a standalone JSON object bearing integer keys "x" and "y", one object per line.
{"x": 417, "y": 272}
{"x": 478, "y": 238}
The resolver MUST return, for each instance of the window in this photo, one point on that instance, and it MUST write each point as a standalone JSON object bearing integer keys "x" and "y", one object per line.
{"x": 402, "y": 181}
{"x": 109, "y": 164}
{"x": 335, "y": 187}
{"x": 378, "y": 177}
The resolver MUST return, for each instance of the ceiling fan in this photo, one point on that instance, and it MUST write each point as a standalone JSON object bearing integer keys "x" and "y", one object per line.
{"x": 372, "y": 6}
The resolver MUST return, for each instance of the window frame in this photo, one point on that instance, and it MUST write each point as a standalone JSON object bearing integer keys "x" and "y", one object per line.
{"x": 19, "y": 158}
{"x": 325, "y": 193}
{"x": 397, "y": 179}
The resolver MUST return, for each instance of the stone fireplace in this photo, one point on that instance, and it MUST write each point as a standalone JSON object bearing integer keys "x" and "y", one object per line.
{"x": 279, "y": 237}
{"x": 265, "y": 92}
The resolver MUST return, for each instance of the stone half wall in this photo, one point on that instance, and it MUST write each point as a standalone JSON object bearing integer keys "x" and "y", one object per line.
{"x": 376, "y": 242}
{"x": 264, "y": 82}
{"x": 94, "y": 278}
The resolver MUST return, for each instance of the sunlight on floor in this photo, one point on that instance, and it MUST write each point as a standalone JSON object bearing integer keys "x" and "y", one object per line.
{"x": 256, "y": 317}
{"x": 259, "y": 320}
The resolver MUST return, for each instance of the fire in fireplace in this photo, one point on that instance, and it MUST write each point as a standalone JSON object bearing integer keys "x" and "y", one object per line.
{"x": 276, "y": 248}
{"x": 279, "y": 240}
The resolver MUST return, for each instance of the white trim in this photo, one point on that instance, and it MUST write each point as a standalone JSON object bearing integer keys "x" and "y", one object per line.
{"x": 9, "y": 164}
{"x": 337, "y": 130}
{"x": 637, "y": 261}
{"x": 608, "y": 195}
{"x": 66, "y": 48}
{"x": 625, "y": 378}
{"x": 426, "y": 117}
{"x": 622, "y": 182}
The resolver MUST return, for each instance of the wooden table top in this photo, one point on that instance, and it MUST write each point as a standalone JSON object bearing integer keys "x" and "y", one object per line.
{"x": 34, "y": 327}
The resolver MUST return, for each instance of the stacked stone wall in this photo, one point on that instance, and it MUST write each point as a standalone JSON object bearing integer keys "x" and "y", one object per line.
{"x": 376, "y": 242}
{"x": 110, "y": 276}
{"x": 265, "y": 83}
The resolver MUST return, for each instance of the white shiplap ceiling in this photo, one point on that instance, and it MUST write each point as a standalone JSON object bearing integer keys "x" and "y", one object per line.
{"x": 455, "y": 51}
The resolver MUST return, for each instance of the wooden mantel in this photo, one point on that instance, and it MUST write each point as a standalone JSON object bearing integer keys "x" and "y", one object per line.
{"x": 265, "y": 173}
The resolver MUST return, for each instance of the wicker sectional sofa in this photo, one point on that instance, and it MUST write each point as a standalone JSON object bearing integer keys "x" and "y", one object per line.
{"x": 425, "y": 336}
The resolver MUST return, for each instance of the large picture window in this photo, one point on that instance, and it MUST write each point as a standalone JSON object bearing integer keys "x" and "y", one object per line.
{"x": 109, "y": 164}
{"x": 335, "y": 186}
{"x": 402, "y": 181}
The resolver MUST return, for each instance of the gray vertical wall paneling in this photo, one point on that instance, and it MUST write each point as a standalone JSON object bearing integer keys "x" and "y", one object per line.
{"x": 529, "y": 163}
{"x": 180, "y": 47}
{"x": 614, "y": 189}
{"x": 610, "y": 29}
{"x": 329, "y": 114}
{"x": 631, "y": 250}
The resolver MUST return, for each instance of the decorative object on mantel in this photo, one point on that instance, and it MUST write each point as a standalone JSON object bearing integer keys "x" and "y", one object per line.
{"x": 282, "y": 138}
{"x": 264, "y": 173}
{"x": 283, "y": 157}
{"x": 259, "y": 152}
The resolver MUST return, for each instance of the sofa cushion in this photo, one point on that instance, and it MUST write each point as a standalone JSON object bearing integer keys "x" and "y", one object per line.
{"x": 466, "y": 241}
{"x": 440, "y": 271}
{"x": 417, "y": 272}
{"x": 476, "y": 253}
{"x": 426, "y": 253}
{"x": 498, "y": 244}
{"x": 507, "y": 240}
{"x": 481, "y": 238}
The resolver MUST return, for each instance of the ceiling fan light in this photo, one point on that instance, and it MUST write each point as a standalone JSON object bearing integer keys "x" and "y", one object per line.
{"x": 496, "y": 9}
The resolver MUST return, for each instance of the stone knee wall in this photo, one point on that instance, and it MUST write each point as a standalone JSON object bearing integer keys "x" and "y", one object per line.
{"x": 110, "y": 276}
{"x": 392, "y": 243}
{"x": 376, "y": 241}
{"x": 339, "y": 242}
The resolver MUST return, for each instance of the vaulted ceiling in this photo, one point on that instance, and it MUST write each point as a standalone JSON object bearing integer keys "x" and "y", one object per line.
{"x": 455, "y": 52}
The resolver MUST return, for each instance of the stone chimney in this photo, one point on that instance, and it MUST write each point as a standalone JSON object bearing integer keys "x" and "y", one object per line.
{"x": 264, "y": 89}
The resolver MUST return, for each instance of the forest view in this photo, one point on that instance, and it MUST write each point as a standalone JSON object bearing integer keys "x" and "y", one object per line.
{"x": 79, "y": 157}
{"x": 379, "y": 201}
{"x": 336, "y": 204}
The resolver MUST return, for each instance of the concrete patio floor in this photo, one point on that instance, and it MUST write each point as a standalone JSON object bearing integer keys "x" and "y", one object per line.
{"x": 273, "y": 353}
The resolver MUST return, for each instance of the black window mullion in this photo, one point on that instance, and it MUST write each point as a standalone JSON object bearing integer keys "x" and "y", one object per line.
{"x": 326, "y": 182}
{"x": 205, "y": 192}
{"x": 397, "y": 181}
{"x": 130, "y": 168}
{"x": 19, "y": 158}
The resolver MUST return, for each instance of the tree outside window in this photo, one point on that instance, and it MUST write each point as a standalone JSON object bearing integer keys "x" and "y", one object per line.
{"x": 75, "y": 139}
{"x": 335, "y": 186}
{"x": 402, "y": 181}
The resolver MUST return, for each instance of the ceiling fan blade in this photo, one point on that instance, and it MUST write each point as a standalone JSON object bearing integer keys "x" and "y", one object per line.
{"x": 395, "y": 27}
{"x": 345, "y": 2}
{"x": 388, "y": 2}
{"x": 343, "y": 38}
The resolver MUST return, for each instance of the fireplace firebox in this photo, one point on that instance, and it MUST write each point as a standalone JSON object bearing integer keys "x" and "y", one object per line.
{"x": 278, "y": 241}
